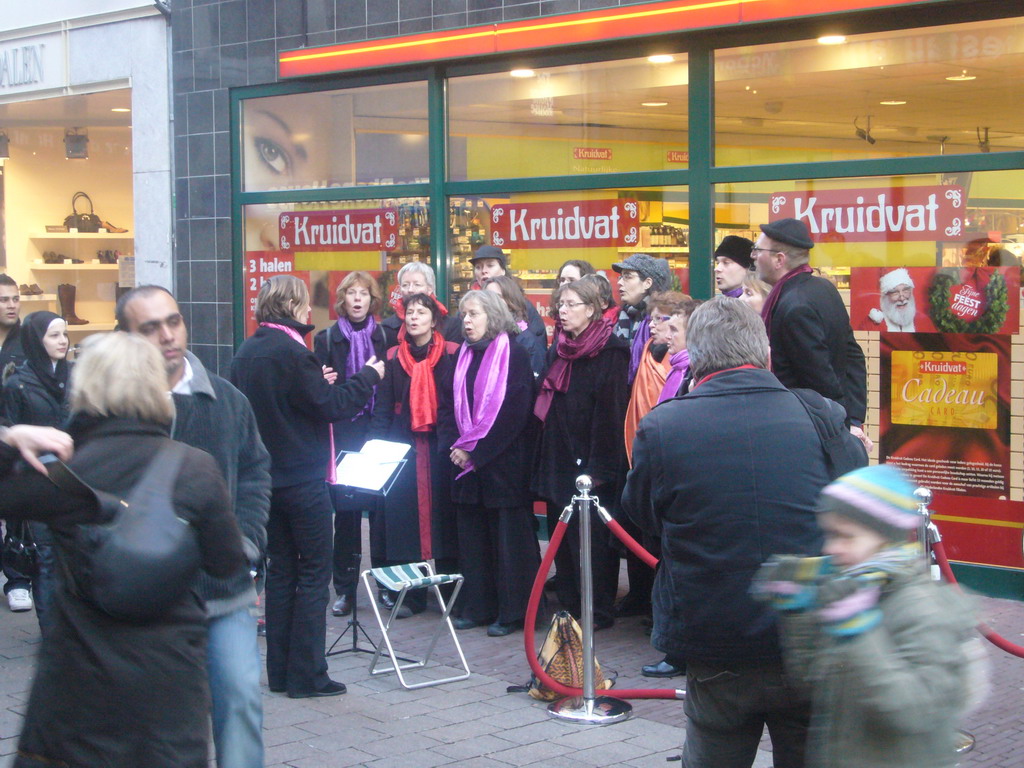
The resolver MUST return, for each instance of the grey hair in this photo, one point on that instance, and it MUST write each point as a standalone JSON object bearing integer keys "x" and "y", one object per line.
{"x": 725, "y": 333}
{"x": 499, "y": 318}
{"x": 418, "y": 267}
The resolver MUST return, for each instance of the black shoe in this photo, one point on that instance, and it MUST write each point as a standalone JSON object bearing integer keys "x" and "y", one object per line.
{"x": 331, "y": 689}
{"x": 408, "y": 611}
{"x": 631, "y": 606}
{"x": 386, "y": 598}
{"x": 605, "y": 623}
{"x": 343, "y": 605}
{"x": 461, "y": 623}
{"x": 497, "y": 629}
{"x": 663, "y": 668}
{"x": 278, "y": 688}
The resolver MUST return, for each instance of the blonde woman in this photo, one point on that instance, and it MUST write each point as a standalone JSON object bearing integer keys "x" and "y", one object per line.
{"x": 102, "y": 686}
{"x": 295, "y": 406}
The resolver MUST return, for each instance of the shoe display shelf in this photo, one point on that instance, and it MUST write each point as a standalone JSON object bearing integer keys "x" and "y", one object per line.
{"x": 94, "y": 282}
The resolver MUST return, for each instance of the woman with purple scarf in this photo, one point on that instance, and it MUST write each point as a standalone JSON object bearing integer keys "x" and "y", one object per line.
{"x": 484, "y": 424}
{"x": 345, "y": 347}
{"x": 582, "y": 404}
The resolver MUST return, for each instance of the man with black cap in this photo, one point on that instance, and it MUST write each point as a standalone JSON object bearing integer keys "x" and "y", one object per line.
{"x": 812, "y": 344}
{"x": 733, "y": 261}
{"x": 490, "y": 261}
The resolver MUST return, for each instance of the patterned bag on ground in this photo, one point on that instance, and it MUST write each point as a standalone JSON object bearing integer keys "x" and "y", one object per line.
{"x": 561, "y": 657}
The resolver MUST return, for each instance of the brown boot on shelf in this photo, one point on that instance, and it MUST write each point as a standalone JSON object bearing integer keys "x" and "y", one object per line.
{"x": 111, "y": 228}
{"x": 66, "y": 297}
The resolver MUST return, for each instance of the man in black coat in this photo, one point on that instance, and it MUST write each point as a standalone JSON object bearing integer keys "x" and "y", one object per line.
{"x": 17, "y": 586}
{"x": 727, "y": 476}
{"x": 808, "y": 326}
{"x": 211, "y": 414}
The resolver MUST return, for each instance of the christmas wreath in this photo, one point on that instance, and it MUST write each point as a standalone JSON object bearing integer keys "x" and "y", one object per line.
{"x": 989, "y": 321}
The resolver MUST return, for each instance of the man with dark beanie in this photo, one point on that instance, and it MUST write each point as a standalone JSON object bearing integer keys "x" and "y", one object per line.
{"x": 808, "y": 327}
{"x": 733, "y": 260}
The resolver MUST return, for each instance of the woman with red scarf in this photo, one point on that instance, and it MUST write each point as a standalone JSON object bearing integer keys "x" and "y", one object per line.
{"x": 484, "y": 422}
{"x": 418, "y": 522}
{"x": 582, "y": 404}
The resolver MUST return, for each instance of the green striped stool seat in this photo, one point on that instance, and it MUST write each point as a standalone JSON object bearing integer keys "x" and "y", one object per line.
{"x": 395, "y": 577}
{"x": 402, "y": 579}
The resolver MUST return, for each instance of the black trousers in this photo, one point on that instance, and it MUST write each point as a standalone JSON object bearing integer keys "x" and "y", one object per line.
{"x": 299, "y": 535}
{"x": 499, "y": 557}
{"x": 604, "y": 565}
{"x": 348, "y": 542}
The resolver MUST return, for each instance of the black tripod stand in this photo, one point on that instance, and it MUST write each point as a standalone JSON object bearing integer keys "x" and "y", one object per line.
{"x": 357, "y": 628}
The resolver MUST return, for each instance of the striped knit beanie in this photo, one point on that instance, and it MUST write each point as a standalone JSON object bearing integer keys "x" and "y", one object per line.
{"x": 880, "y": 498}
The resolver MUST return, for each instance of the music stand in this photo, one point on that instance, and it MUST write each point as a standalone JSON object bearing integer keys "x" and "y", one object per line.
{"x": 374, "y": 493}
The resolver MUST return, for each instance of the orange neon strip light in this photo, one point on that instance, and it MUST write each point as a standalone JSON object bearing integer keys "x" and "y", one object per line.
{"x": 590, "y": 26}
{"x": 496, "y": 30}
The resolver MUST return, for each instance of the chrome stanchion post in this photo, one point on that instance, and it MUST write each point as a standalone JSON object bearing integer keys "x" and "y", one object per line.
{"x": 588, "y": 709}
{"x": 928, "y": 535}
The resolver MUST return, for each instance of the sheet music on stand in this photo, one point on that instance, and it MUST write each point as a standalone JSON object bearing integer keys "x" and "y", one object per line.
{"x": 374, "y": 468}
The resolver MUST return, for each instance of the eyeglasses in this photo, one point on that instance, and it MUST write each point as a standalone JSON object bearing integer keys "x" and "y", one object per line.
{"x": 905, "y": 291}
{"x": 766, "y": 250}
{"x": 656, "y": 319}
{"x": 569, "y": 304}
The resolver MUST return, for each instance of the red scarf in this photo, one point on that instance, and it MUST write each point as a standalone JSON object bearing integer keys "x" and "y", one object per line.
{"x": 422, "y": 391}
{"x": 773, "y": 298}
{"x": 587, "y": 344}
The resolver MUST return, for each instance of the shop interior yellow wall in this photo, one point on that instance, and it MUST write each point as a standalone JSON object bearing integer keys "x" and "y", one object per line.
{"x": 39, "y": 182}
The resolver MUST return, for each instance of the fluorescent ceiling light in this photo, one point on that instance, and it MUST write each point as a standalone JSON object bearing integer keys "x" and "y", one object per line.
{"x": 832, "y": 39}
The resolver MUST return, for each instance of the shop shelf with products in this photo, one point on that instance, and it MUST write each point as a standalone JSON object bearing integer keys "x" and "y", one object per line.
{"x": 94, "y": 280}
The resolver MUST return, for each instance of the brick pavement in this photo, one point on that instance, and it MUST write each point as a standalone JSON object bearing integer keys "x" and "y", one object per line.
{"x": 476, "y": 723}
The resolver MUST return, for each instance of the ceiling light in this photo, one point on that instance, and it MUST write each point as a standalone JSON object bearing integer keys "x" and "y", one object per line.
{"x": 863, "y": 133}
{"x": 120, "y": 109}
{"x": 892, "y": 103}
{"x": 76, "y": 144}
{"x": 522, "y": 73}
{"x": 963, "y": 77}
{"x": 832, "y": 39}
{"x": 661, "y": 58}
{"x": 654, "y": 103}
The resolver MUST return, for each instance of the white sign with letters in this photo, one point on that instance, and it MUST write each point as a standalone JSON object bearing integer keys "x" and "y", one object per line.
{"x": 32, "y": 64}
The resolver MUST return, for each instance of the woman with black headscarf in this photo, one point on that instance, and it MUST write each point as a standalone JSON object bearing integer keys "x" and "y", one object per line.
{"x": 36, "y": 394}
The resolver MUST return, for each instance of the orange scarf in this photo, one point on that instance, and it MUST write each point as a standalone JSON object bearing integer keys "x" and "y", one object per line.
{"x": 647, "y": 386}
{"x": 422, "y": 391}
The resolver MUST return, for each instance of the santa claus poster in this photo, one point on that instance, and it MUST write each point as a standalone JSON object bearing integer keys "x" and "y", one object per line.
{"x": 974, "y": 300}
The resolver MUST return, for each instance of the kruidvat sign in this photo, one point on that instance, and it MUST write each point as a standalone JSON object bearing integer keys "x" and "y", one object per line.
{"x": 571, "y": 224}
{"x": 591, "y": 153}
{"x": 352, "y": 230}
{"x": 875, "y": 215}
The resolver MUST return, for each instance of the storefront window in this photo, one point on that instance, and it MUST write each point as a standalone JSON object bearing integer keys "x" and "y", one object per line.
{"x": 940, "y": 90}
{"x": 603, "y": 117}
{"x": 539, "y": 232}
{"x": 322, "y": 242}
{"x": 343, "y": 138}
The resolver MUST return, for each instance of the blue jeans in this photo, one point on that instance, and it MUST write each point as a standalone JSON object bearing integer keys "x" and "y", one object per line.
{"x": 233, "y": 664}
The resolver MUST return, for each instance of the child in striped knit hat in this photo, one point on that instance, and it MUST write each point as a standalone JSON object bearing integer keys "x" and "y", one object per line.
{"x": 883, "y": 647}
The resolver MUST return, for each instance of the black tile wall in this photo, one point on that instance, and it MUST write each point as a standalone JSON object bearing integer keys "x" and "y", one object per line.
{"x": 223, "y": 44}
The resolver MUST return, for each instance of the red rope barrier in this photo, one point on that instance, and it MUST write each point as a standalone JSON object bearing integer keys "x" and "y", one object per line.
{"x": 987, "y": 632}
{"x": 530, "y": 623}
{"x": 633, "y": 544}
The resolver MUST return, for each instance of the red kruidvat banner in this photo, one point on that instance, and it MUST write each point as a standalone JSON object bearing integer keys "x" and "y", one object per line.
{"x": 350, "y": 230}
{"x": 883, "y": 214}
{"x": 570, "y": 224}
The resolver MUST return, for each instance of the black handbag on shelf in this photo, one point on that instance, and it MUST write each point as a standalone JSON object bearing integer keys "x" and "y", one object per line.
{"x": 20, "y": 548}
{"x": 83, "y": 222}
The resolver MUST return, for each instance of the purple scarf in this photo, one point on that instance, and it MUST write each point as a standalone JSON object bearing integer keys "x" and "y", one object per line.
{"x": 773, "y": 298}
{"x": 734, "y": 293}
{"x": 640, "y": 338}
{"x": 587, "y": 344}
{"x": 360, "y": 349}
{"x": 680, "y": 363}
{"x": 488, "y": 394}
